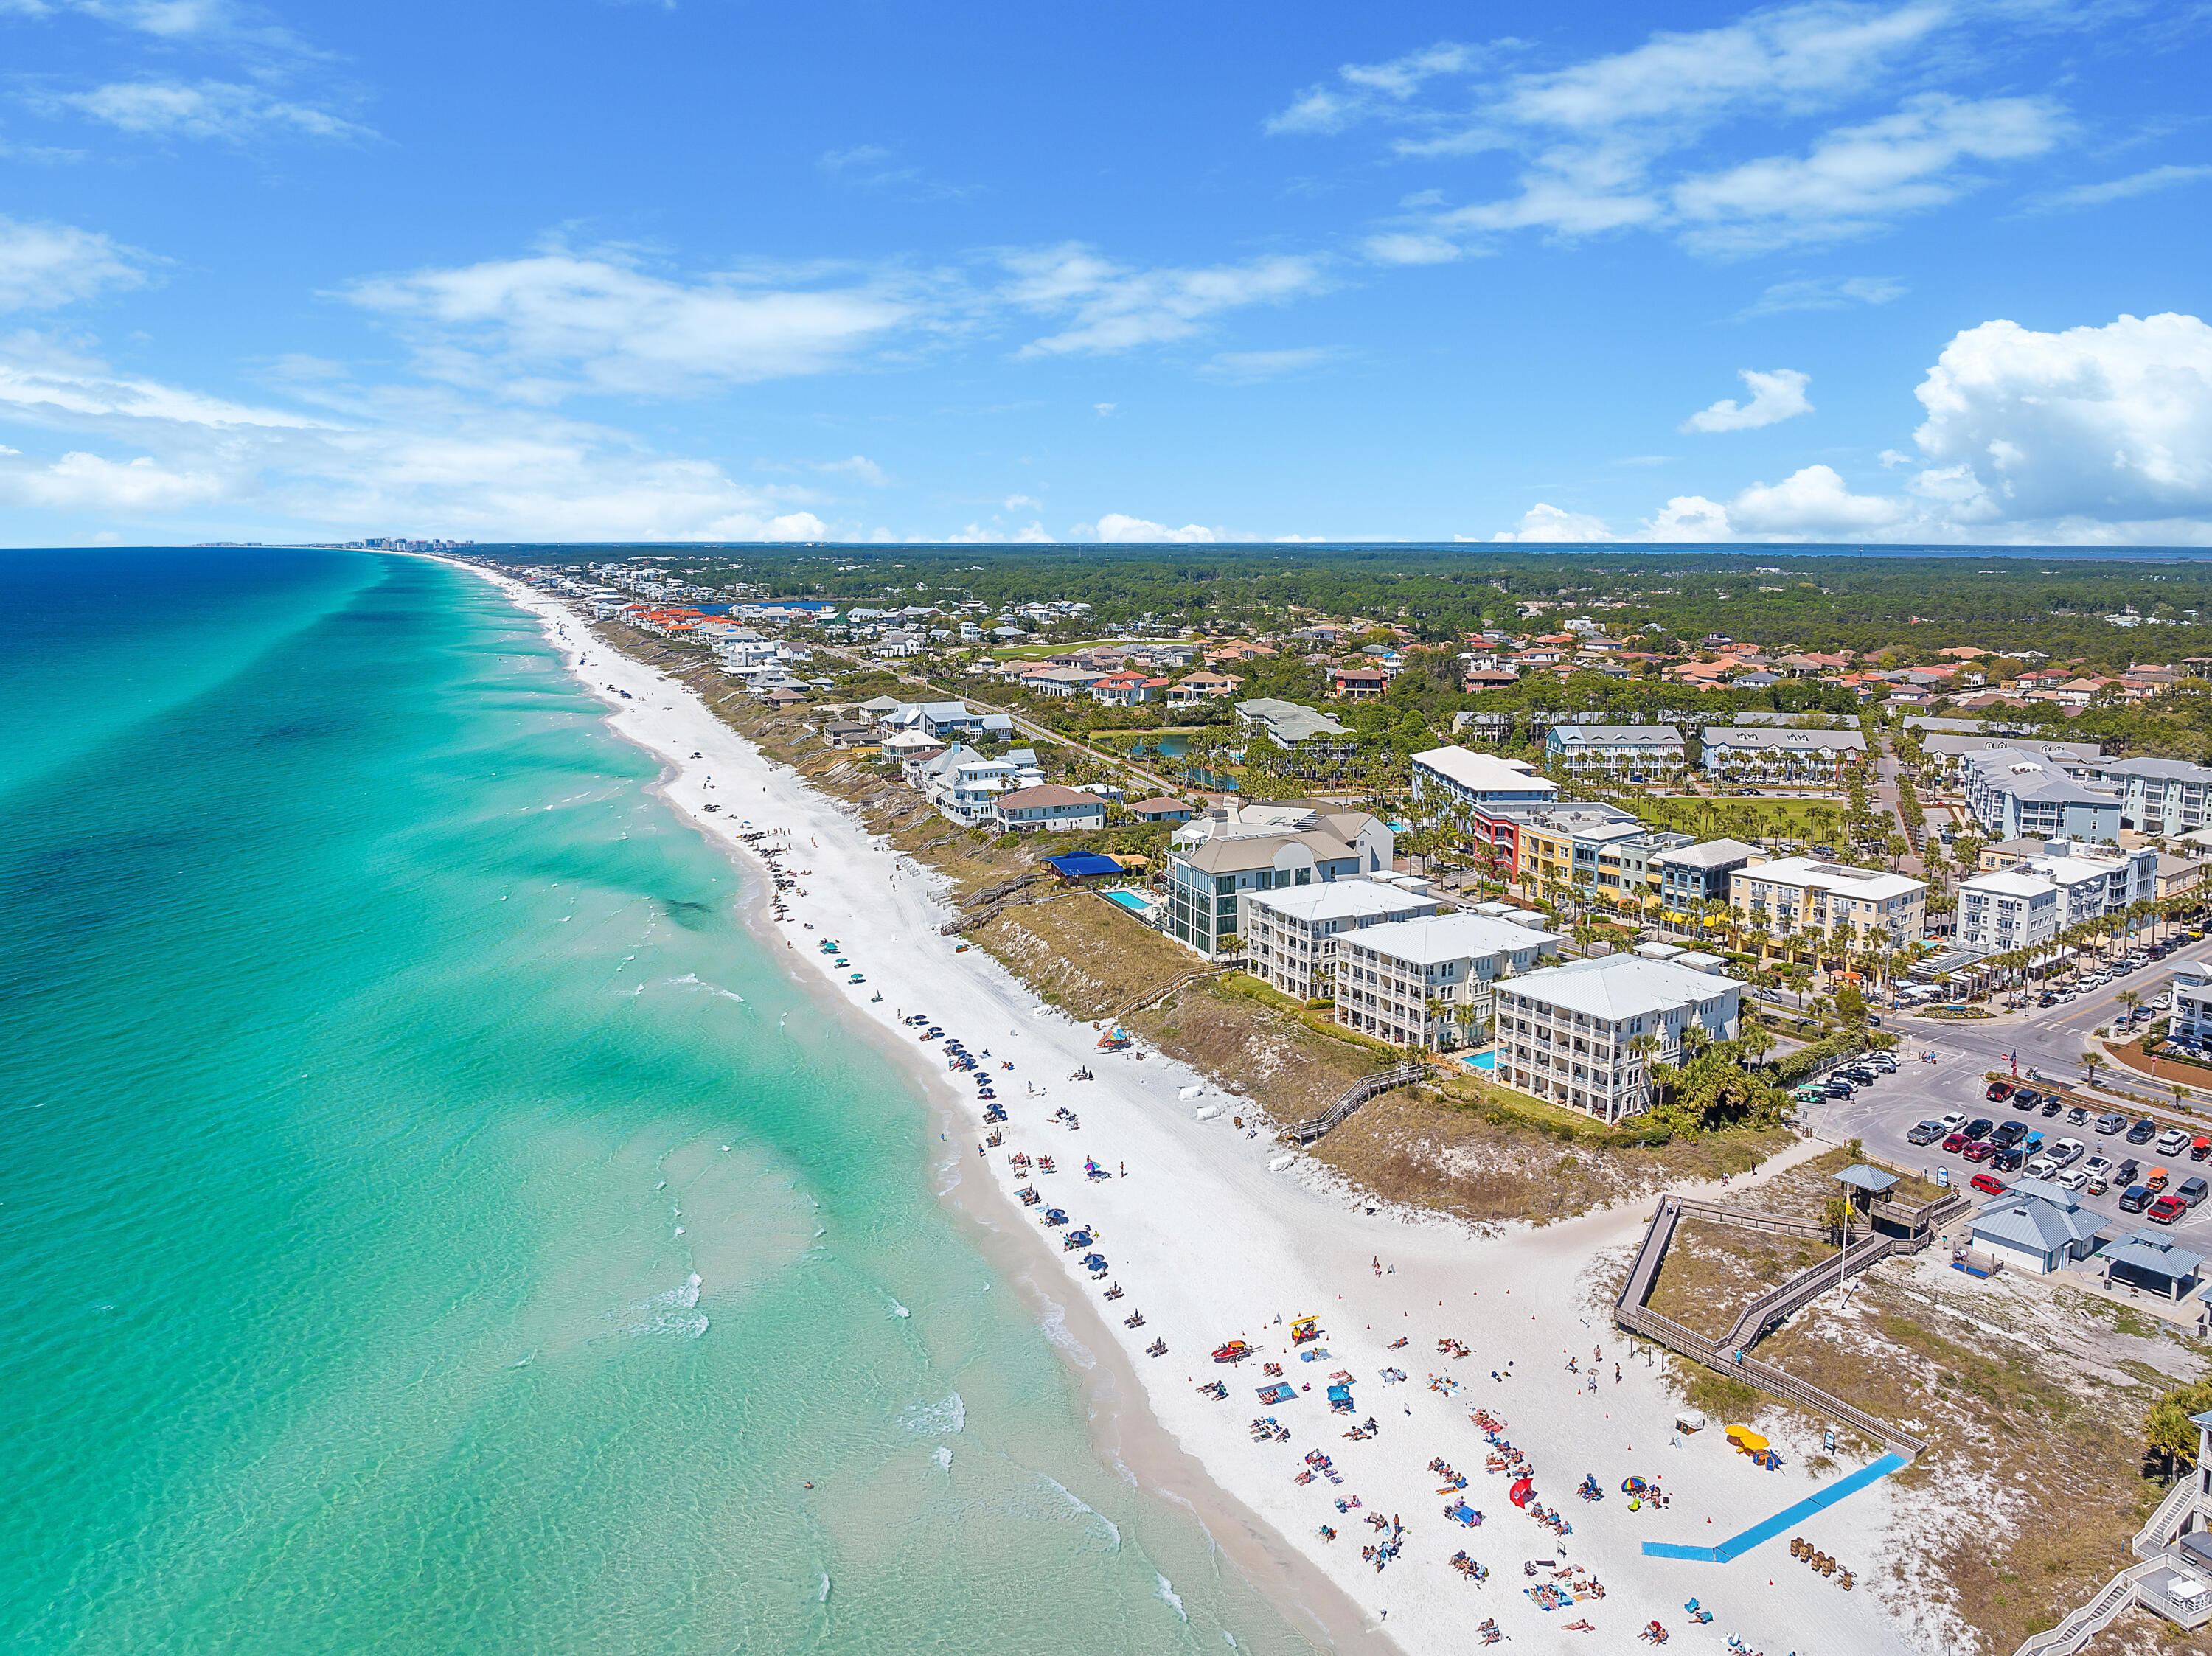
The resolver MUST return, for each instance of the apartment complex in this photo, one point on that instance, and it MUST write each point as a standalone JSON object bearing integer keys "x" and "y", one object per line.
{"x": 1690, "y": 877}
{"x": 2032, "y": 890}
{"x": 1445, "y": 775}
{"x": 1571, "y": 1033}
{"x": 1277, "y": 846}
{"x": 1770, "y": 754}
{"x": 2192, "y": 1001}
{"x": 1293, "y": 939}
{"x": 1800, "y": 897}
{"x": 2156, "y": 796}
{"x": 2015, "y": 795}
{"x": 1432, "y": 982}
{"x": 1637, "y": 752}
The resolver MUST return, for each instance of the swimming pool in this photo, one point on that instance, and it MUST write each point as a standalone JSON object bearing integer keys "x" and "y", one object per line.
{"x": 1484, "y": 1059}
{"x": 1130, "y": 900}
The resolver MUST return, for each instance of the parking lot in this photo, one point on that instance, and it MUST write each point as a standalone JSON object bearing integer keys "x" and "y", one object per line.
{"x": 2048, "y": 1041}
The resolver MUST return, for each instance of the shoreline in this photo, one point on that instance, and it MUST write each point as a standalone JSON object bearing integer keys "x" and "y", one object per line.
{"x": 1211, "y": 1244}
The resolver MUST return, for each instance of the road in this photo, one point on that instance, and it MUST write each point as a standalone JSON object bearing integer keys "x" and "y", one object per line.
{"x": 2048, "y": 1041}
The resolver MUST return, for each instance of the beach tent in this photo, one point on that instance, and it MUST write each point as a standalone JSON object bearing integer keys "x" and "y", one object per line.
{"x": 1746, "y": 1439}
{"x": 1082, "y": 864}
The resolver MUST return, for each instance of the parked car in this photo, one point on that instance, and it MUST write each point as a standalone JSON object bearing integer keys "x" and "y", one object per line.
{"x": 1954, "y": 1144}
{"x": 2193, "y": 1190}
{"x": 1926, "y": 1132}
{"x": 2143, "y": 1132}
{"x": 1988, "y": 1184}
{"x": 2043, "y": 1168}
{"x": 2067, "y": 1151}
{"x": 2113, "y": 1121}
{"x": 1883, "y": 1062}
{"x": 2009, "y": 1133}
{"x": 1999, "y": 1091}
{"x": 2167, "y": 1209}
{"x": 2071, "y": 1178}
{"x": 1978, "y": 1150}
{"x": 1979, "y": 1127}
{"x": 2026, "y": 1098}
{"x": 1953, "y": 1120}
{"x": 2098, "y": 1166}
{"x": 2052, "y": 1105}
{"x": 2008, "y": 1160}
{"x": 2172, "y": 1142}
{"x": 2135, "y": 1198}
{"x": 2078, "y": 1116}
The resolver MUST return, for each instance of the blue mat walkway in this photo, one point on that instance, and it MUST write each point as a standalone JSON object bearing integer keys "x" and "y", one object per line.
{"x": 1736, "y": 1545}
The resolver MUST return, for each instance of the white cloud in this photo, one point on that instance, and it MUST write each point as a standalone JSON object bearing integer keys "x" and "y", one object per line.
{"x": 1544, "y": 522}
{"x": 1117, "y": 527}
{"x": 1104, "y": 410}
{"x": 1625, "y": 140}
{"x": 204, "y": 109}
{"x": 1776, "y": 396}
{"x": 858, "y": 466}
{"x": 2109, "y": 424}
{"x": 81, "y": 482}
{"x": 45, "y": 265}
{"x": 1824, "y": 293}
{"x": 1402, "y": 247}
{"x": 557, "y": 322}
{"x": 1110, "y": 307}
{"x": 2138, "y": 183}
{"x": 1368, "y": 88}
{"x": 1690, "y": 518}
{"x": 1242, "y": 368}
{"x": 1812, "y": 504}
{"x": 871, "y": 167}
{"x": 1855, "y": 178}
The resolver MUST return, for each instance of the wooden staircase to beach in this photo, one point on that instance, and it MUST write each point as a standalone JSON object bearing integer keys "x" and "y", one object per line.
{"x": 1367, "y": 1087}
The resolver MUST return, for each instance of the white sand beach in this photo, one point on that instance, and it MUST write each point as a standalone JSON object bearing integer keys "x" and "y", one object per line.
{"x": 1210, "y": 1244}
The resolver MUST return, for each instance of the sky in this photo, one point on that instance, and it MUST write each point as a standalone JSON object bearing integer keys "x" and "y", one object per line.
{"x": 1922, "y": 272}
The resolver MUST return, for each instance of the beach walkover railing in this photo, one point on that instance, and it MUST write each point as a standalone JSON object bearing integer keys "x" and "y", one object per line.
{"x": 1151, "y": 998}
{"x": 1367, "y": 1087}
{"x": 2116, "y": 1595}
{"x": 1727, "y": 1356}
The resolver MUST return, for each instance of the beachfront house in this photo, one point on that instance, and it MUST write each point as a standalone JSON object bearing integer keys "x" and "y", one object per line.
{"x": 1048, "y": 807}
{"x": 1293, "y": 937}
{"x": 1574, "y": 1033}
{"x": 1159, "y": 809}
{"x": 1279, "y": 845}
{"x": 1431, "y": 981}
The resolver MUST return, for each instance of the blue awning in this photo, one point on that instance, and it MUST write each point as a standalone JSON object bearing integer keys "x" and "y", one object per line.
{"x": 1082, "y": 864}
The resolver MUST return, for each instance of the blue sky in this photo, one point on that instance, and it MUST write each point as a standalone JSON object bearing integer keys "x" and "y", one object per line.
{"x": 1928, "y": 271}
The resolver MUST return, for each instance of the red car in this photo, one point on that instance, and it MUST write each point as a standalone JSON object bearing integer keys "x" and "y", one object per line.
{"x": 2167, "y": 1209}
{"x": 1954, "y": 1144}
{"x": 1980, "y": 1150}
{"x": 1999, "y": 1091}
{"x": 1988, "y": 1183}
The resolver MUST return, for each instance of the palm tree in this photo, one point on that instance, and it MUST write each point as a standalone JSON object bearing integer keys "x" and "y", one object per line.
{"x": 2089, "y": 1061}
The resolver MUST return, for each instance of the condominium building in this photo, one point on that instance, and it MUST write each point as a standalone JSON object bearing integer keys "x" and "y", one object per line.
{"x": 1636, "y": 752}
{"x": 2015, "y": 795}
{"x": 1570, "y": 1033}
{"x": 1445, "y": 775}
{"x": 2032, "y": 890}
{"x": 1276, "y": 846}
{"x": 1950, "y": 750}
{"x": 2156, "y": 796}
{"x": 1293, "y": 939}
{"x": 1768, "y": 754}
{"x": 1802, "y": 897}
{"x": 1600, "y": 851}
{"x": 1690, "y": 877}
{"x": 1432, "y": 982}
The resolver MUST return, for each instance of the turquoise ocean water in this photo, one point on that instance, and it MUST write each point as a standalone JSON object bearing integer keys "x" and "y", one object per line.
{"x": 431, "y": 1223}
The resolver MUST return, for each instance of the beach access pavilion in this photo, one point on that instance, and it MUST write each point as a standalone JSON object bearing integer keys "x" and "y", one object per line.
{"x": 2153, "y": 1262}
{"x": 1080, "y": 867}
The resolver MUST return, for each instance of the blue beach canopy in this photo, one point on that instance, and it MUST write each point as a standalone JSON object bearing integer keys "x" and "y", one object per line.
{"x": 1080, "y": 864}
